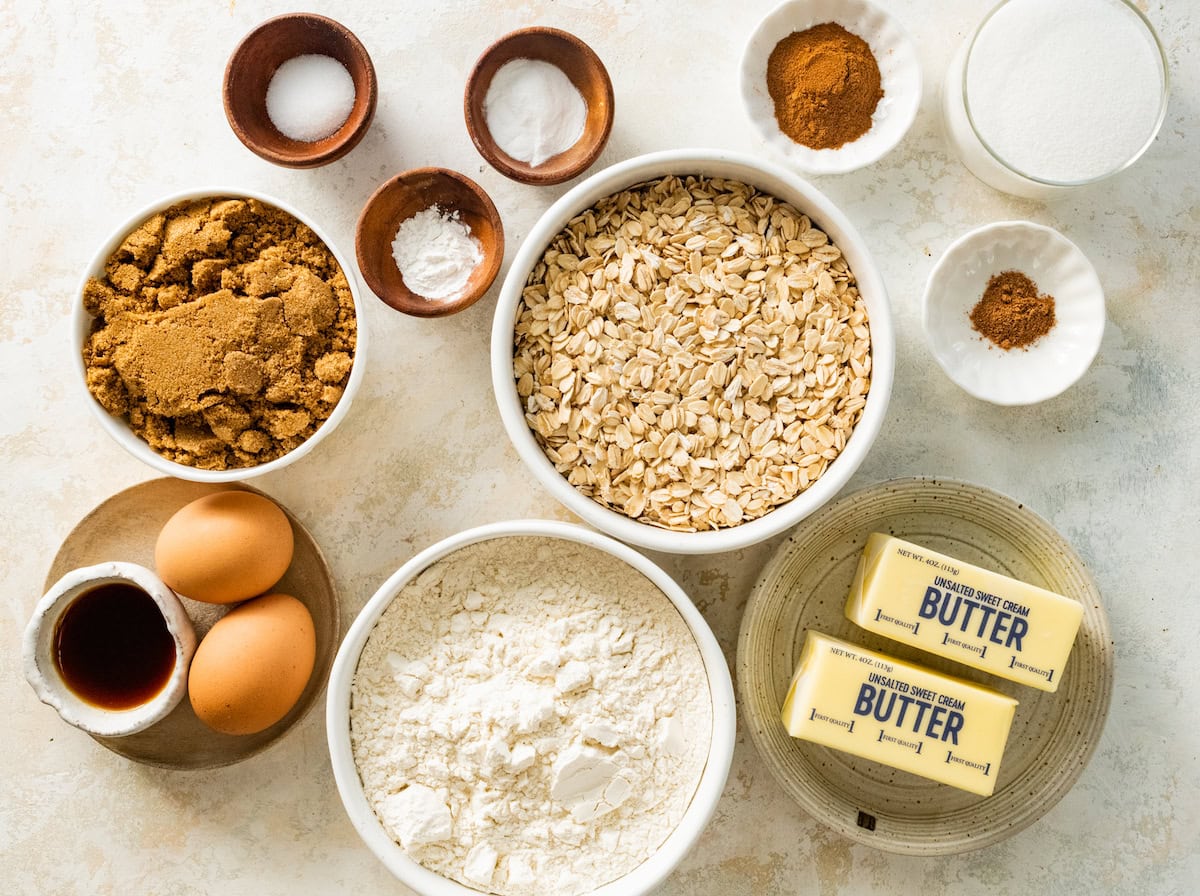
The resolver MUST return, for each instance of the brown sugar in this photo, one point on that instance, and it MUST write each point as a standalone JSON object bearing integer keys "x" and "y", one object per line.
{"x": 224, "y": 333}
{"x": 825, "y": 84}
{"x": 1011, "y": 313}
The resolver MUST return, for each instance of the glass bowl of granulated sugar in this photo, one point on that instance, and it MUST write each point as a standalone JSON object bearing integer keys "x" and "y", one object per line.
{"x": 530, "y": 707}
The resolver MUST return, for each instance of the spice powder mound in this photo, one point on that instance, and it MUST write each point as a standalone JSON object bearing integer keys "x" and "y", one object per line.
{"x": 1011, "y": 313}
{"x": 224, "y": 333}
{"x": 825, "y": 84}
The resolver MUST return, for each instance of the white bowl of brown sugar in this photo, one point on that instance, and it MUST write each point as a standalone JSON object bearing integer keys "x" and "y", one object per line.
{"x": 831, "y": 85}
{"x": 1014, "y": 312}
{"x": 218, "y": 335}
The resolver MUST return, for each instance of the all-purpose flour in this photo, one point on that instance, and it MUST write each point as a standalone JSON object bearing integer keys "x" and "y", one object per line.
{"x": 530, "y": 716}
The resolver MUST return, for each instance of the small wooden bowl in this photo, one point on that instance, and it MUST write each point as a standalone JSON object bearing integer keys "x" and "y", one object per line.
{"x": 585, "y": 70}
{"x": 252, "y": 66}
{"x": 398, "y": 200}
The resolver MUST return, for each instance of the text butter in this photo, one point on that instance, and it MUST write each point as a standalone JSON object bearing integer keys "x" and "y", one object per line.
{"x": 898, "y": 714}
{"x": 963, "y": 613}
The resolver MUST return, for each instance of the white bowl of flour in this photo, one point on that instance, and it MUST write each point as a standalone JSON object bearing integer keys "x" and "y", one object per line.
{"x": 530, "y": 707}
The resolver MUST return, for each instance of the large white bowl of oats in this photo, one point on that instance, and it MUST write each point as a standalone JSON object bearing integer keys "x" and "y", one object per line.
{"x": 693, "y": 350}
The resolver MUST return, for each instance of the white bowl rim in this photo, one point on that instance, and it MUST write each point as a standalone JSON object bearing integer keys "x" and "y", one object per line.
{"x": 826, "y": 215}
{"x": 948, "y": 257}
{"x": 851, "y": 156}
{"x": 120, "y": 430}
{"x": 645, "y": 877}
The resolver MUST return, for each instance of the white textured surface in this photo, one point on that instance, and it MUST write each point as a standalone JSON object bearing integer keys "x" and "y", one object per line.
{"x": 108, "y": 106}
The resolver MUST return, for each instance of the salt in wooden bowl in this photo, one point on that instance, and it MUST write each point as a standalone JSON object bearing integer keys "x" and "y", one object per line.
{"x": 253, "y": 64}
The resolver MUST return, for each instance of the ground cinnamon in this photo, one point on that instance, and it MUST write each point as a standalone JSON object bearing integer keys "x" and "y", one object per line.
{"x": 825, "y": 84}
{"x": 1011, "y": 313}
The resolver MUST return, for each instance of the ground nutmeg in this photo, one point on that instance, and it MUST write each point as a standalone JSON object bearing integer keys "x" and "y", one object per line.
{"x": 1011, "y": 313}
{"x": 825, "y": 84}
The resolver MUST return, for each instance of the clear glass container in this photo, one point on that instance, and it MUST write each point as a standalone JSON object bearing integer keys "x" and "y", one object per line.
{"x": 988, "y": 163}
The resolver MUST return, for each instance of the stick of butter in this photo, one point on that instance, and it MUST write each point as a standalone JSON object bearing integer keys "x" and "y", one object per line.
{"x": 889, "y": 711}
{"x": 963, "y": 613}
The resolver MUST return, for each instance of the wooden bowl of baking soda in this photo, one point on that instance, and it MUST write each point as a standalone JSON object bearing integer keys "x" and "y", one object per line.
{"x": 539, "y": 106}
{"x": 429, "y": 242}
{"x": 300, "y": 90}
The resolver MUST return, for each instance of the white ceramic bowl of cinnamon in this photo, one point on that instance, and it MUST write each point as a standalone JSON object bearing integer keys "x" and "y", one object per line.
{"x": 892, "y": 52}
{"x": 999, "y": 358}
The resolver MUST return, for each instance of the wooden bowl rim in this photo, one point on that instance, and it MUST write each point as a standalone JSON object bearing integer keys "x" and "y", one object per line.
{"x": 330, "y": 153}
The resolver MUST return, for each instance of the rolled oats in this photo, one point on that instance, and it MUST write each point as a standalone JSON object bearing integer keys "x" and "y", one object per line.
{"x": 692, "y": 352}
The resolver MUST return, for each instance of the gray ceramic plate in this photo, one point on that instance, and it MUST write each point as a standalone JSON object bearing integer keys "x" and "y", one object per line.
{"x": 805, "y": 586}
{"x": 125, "y": 527}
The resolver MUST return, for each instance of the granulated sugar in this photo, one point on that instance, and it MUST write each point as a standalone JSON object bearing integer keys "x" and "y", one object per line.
{"x": 1066, "y": 90}
{"x": 530, "y": 716}
{"x": 310, "y": 97}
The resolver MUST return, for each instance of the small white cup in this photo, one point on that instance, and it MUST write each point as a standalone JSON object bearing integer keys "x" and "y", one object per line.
{"x": 43, "y": 674}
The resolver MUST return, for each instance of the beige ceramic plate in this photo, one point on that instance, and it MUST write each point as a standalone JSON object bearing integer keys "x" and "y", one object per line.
{"x": 125, "y": 527}
{"x": 805, "y": 586}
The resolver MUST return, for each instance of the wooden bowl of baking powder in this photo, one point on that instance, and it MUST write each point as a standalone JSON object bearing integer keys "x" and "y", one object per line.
{"x": 457, "y": 200}
{"x": 583, "y": 69}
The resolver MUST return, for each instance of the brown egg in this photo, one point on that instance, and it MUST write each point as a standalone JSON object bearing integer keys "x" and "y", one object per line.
{"x": 224, "y": 547}
{"x": 253, "y": 665}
